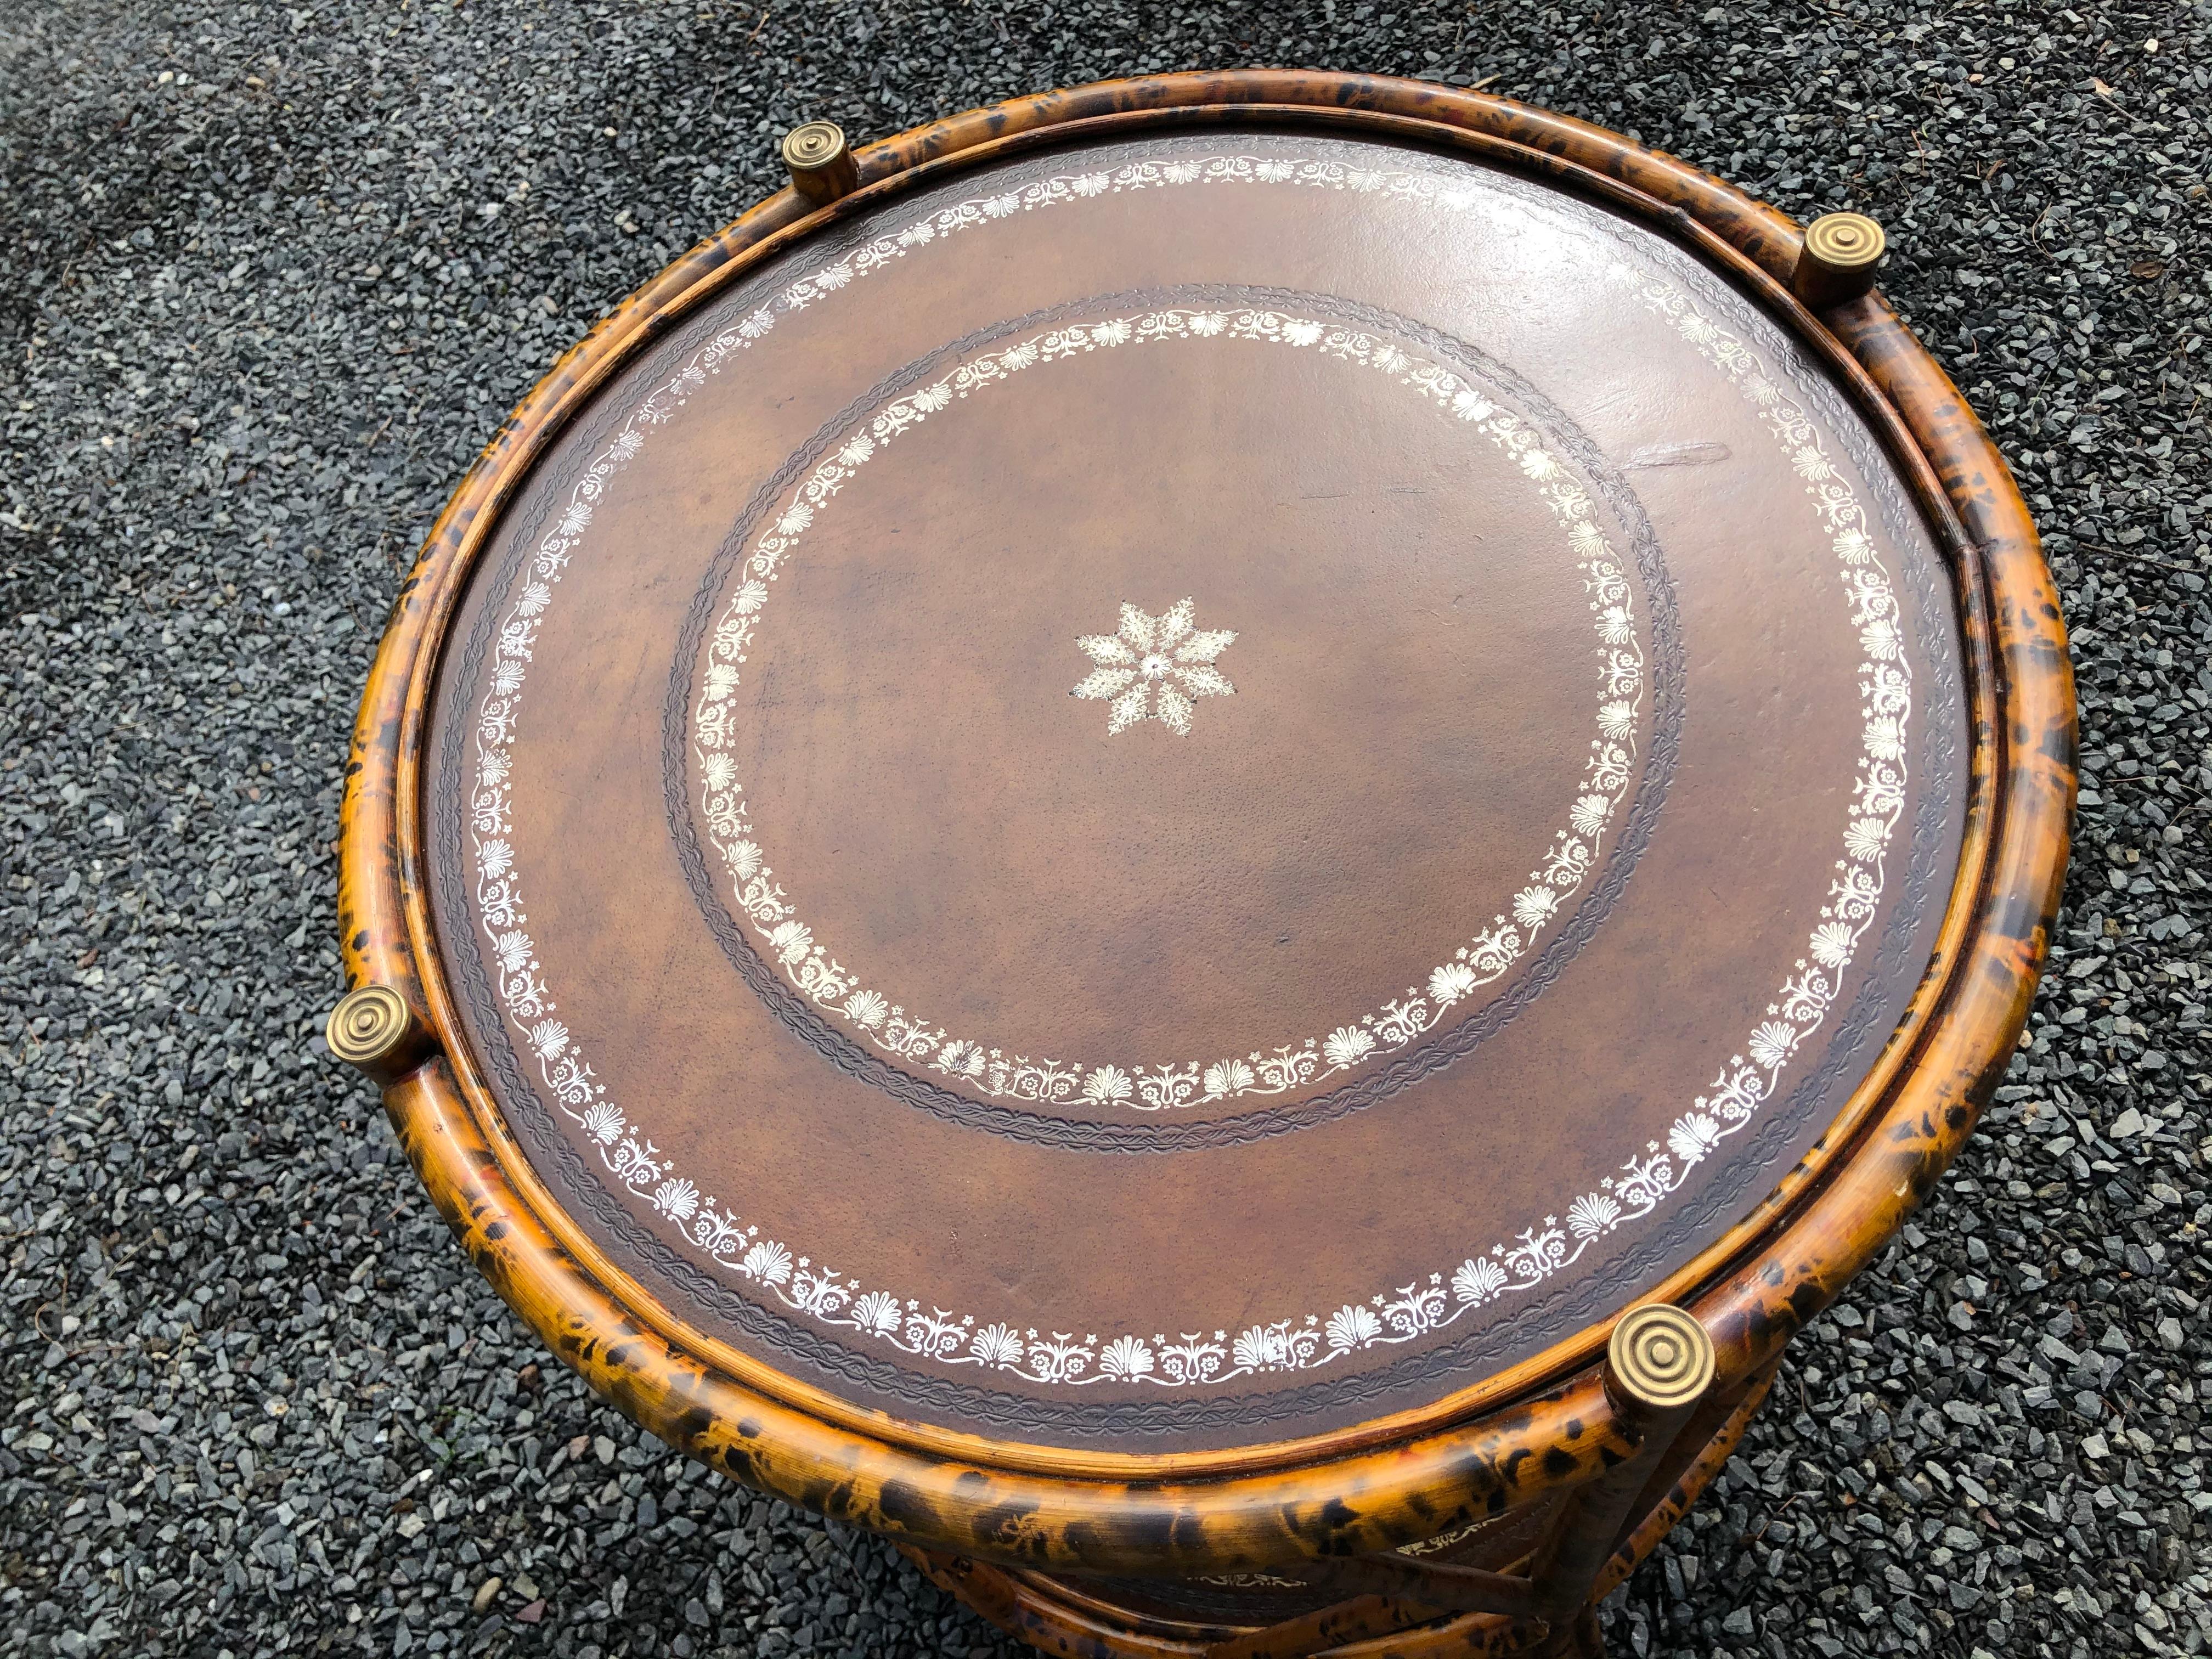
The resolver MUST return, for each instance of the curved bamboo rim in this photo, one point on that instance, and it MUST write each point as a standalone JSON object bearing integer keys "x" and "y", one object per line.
{"x": 1415, "y": 1473}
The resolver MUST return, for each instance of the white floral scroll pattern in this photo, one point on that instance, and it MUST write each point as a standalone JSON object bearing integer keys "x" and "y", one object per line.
{"x": 971, "y": 1063}
{"x": 1443, "y": 190}
{"x": 1060, "y": 1358}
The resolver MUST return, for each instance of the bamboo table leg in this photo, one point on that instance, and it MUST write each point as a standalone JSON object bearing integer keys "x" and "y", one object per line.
{"x": 1659, "y": 1373}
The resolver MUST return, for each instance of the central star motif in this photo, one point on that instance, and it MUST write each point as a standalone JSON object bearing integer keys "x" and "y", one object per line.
{"x": 1153, "y": 668}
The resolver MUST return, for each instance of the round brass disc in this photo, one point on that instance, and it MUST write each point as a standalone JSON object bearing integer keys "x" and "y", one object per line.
{"x": 1845, "y": 241}
{"x": 369, "y": 1024}
{"x": 813, "y": 145}
{"x": 1660, "y": 1357}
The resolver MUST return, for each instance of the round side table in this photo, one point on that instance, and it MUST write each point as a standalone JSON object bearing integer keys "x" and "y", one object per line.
{"x": 1208, "y": 842}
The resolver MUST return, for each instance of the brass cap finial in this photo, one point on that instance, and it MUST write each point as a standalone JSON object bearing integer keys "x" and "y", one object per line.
{"x": 1659, "y": 1358}
{"x": 820, "y": 162}
{"x": 1837, "y": 260}
{"x": 373, "y": 1028}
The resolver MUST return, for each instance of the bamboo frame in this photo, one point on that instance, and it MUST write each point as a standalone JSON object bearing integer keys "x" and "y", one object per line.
{"x": 971, "y": 1501}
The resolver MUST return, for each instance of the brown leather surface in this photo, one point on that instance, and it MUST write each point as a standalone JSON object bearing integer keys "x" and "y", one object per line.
{"x": 1418, "y": 674}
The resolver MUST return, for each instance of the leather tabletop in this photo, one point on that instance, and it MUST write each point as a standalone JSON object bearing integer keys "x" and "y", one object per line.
{"x": 1185, "y": 791}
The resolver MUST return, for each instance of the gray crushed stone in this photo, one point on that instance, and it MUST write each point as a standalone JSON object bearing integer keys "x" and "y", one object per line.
{"x": 273, "y": 273}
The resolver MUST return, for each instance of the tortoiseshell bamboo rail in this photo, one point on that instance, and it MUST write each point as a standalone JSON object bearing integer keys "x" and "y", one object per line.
{"x": 1011, "y": 1528}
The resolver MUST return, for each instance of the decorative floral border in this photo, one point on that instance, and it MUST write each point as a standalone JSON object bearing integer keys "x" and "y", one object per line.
{"x": 1415, "y": 1309}
{"x": 807, "y": 961}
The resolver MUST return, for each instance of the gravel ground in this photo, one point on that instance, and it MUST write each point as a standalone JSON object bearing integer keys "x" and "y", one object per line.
{"x": 272, "y": 273}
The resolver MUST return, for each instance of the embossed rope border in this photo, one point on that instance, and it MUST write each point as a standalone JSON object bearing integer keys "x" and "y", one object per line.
{"x": 1542, "y": 1249}
{"x": 806, "y": 962}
